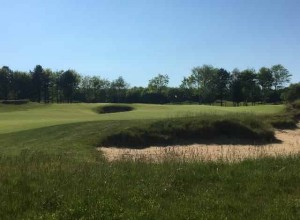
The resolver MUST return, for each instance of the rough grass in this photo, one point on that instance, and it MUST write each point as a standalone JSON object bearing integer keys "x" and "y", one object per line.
{"x": 283, "y": 121}
{"x": 113, "y": 109}
{"x": 296, "y": 104}
{"x": 287, "y": 119}
{"x": 209, "y": 128}
{"x": 203, "y": 128}
{"x": 40, "y": 186}
{"x": 295, "y": 107}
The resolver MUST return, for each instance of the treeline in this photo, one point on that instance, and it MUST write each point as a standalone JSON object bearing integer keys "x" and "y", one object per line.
{"x": 205, "y": 84}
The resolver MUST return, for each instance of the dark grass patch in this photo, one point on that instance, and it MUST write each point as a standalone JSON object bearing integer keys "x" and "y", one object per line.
{"x": 241, "y": 129}
{"x": 286, "y": 120}
{"x": 296, "y": 104}
{"x": 113, "y": 109}
{"x": 296, "y": 109}
{"x": 15, "y": 102}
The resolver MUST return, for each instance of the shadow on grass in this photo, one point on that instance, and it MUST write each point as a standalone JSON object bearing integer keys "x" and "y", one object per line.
{"x": 286, "y": 120}
{"x": 217, "y": 141}
{"x": 113, "y": 109}
{"x": 245, "y": 130}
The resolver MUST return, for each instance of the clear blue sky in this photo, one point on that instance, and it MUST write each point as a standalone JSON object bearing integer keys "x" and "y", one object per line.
{"x": 139, "y": 39}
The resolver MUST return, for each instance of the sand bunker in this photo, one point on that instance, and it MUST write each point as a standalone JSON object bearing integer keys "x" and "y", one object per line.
{"x": 290, "y": 145}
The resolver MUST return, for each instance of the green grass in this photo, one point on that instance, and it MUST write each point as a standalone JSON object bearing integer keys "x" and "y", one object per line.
{"x": 39, "y": 186}
{"x": 50, "y": 169}
{"x": 77, "y": 128}
{"x": 25, "y": 117}
{"x": 78, "y": 139}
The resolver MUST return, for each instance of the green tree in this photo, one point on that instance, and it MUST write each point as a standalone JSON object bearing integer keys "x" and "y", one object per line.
{"x": 37, "y": 82}
{"x": 54, "y": 89}
{"x": 86, "y": 87}
{"x": 195, "y": 81}
{"x": 40, "y": 83}
{"x": 96, "y": 88}
{"x": 203, "y": 80}
{"x": 249, "y": 86}
{"x": 281, "y": 76}
{"x": 119, "y": 87}
{"x": 186, "y": 83}
{"x": 101, "y": 88}
{"x": 47, "y": 74}
{"x": 5, "y": 82}
{"x": 188, "y": 90}
{"x": 292, "y": 93}
{"x": 236, "y": 87}
{"x": 265, "y": 80}
{"x": 21, "y": 85}
{"x": 222, "y": 84}
{"x": 69, "y": 81}
{"x": 134, "y": 95}
{"x": 158, "y": 83}
{"x": 58, "y": 90}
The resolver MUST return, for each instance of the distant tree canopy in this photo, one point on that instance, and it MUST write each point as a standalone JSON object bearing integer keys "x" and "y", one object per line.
{"x": 158, "y": 83}
{"x": 292, "y": 93}
{"x": 205, "y": 84}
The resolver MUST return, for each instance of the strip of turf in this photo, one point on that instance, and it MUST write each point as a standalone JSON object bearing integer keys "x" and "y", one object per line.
{"x": 42, "y": 186}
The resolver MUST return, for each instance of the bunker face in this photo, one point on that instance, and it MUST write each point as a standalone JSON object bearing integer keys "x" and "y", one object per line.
{"x": 114, "y": 109}
{"x": 202, "y": 152}
{"x": 202, "y": 129}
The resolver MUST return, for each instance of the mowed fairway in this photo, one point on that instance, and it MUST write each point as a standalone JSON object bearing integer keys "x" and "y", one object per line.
{"x": 30, "y": 116}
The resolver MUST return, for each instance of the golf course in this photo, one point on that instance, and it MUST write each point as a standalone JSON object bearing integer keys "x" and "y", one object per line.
{"x": 56, "y": 127}
{"x": 150, "y": 110}
{"x": 25, "y": 117}
{"x": 52, "y": 165}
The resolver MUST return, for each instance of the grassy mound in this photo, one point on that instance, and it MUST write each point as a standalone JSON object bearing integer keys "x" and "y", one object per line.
{"x": 296, "y": 104}
{"x": 113, "y": 109}
{"x": 283, "y": 121}
{"x": 296, "y": 109}
{"x": 212, "y": 128}
{"x": 288, "y": 119}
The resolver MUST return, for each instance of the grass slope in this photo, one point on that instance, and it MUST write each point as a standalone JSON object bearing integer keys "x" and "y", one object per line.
{"x": 77, "y": 139}
{"x": 77, "y": 128}
{"x": 25, "y": 117}
{"x": 205, "y": 128}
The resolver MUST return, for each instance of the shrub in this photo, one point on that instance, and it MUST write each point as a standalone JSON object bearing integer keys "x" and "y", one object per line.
{"x": 292, "y": 93}
{"x": 296, "y": 104}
